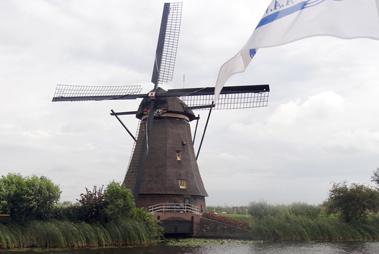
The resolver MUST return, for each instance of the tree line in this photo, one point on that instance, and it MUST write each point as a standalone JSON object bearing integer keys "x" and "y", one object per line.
{"x": 100, "y": 217}
{"x": 350, "y": 213}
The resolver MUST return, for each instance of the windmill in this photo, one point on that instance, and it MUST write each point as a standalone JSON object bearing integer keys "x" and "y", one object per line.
{"x": 163, "y": 173}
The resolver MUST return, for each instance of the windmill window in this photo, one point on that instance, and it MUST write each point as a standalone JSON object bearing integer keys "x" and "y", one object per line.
{"x": 178, "y": 155}
{"x": 182, "y": 184}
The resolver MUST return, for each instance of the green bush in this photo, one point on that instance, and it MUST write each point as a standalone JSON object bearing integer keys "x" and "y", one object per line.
{"x": 28, "y": 197}
{"x": 71, "y": 212}
{"x": 96, "y": 205}
{"x": 119, "y": 202}
{"x": 92, "y": 205}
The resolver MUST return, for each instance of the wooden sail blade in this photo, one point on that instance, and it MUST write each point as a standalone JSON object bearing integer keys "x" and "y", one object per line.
{"x": 96, "y": 93}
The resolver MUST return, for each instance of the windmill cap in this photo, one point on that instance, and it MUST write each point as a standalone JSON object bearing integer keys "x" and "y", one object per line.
{"x": 165, "y": 104}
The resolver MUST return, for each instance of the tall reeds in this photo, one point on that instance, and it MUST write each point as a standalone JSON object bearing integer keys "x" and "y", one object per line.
{"x": 66, "y": 234}
{"x": 301, "y": 222}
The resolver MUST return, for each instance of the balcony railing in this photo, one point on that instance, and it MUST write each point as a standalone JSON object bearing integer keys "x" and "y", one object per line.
{"x": 174, "y": 208}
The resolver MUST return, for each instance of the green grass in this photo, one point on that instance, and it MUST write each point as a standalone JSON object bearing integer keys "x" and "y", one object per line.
{"x": 302, "y": 222}
{"x": 241, "y": 217}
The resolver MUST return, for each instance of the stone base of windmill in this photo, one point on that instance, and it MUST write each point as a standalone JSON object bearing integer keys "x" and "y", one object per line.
{"x": 183, "y": 220}
{"x": 177, "y": 219}
{"x": 180, "y": 224}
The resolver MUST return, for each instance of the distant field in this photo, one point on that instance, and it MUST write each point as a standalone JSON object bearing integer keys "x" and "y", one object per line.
{"x": 241, "y": 217}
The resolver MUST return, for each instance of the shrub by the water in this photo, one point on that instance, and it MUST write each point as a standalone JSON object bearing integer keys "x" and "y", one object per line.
{"x": 97, "y": 205}
{"x": 118, "y": 201}
{"x": 92, "y": 205}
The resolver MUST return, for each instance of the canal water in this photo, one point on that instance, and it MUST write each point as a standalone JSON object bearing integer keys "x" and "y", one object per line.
{"x": 235, "y": 247}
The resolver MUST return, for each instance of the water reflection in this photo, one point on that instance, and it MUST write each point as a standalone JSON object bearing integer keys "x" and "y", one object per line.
{"x": 238, "y": 248}
{"x": 316, "y": 248}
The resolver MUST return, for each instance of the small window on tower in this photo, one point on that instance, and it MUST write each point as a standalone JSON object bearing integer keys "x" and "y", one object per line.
{"x": 178, "y": 155}
{"x": 182, "y": 184}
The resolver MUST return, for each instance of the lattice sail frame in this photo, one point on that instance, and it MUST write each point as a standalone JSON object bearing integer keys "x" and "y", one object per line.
{"x": 231, "y": 97}
{"x": 86, "y": 93}
{"x": 169, "y": 36}
{"x": 229, "y": 101}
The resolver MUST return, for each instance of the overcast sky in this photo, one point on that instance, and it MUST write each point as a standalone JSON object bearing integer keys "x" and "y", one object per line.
{"x": 321, "y": 125}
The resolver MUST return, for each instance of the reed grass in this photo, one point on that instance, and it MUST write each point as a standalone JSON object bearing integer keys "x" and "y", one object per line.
{"x": 300, "y": 222}
{"x": 66, "y": 234}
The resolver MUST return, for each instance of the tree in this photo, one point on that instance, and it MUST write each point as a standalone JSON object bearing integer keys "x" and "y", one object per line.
{"x": 375, "y": 177}
{"x": 119, "y": 202}
{"x": 28, "y": 197}
{"x": 114, "y": 203}
{"x": 353, "y": 202}
{"x": 92, "y": 205}
{"x": 3, "y": 201}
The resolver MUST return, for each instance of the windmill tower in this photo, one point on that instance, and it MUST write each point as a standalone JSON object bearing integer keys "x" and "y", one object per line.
{"x": 163, "y": 173}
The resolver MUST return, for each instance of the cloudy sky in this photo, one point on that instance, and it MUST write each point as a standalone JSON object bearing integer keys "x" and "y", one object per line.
{"x": 321, "y": 125}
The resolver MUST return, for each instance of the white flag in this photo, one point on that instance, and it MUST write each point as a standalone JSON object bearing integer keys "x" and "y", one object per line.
{"x": 290, "y": 20}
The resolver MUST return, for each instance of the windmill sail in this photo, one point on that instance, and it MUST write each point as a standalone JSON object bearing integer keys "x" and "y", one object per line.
{"x": 165, "y": 55}
{"x": 231, "y": 97}
{"x": 96, "y": 93}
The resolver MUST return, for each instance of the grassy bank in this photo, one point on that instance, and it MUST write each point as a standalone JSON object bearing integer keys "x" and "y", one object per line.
{"x": 65, "y": 234}
{"x": 298, "y": 228}
{"x": 302, "y": 222}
